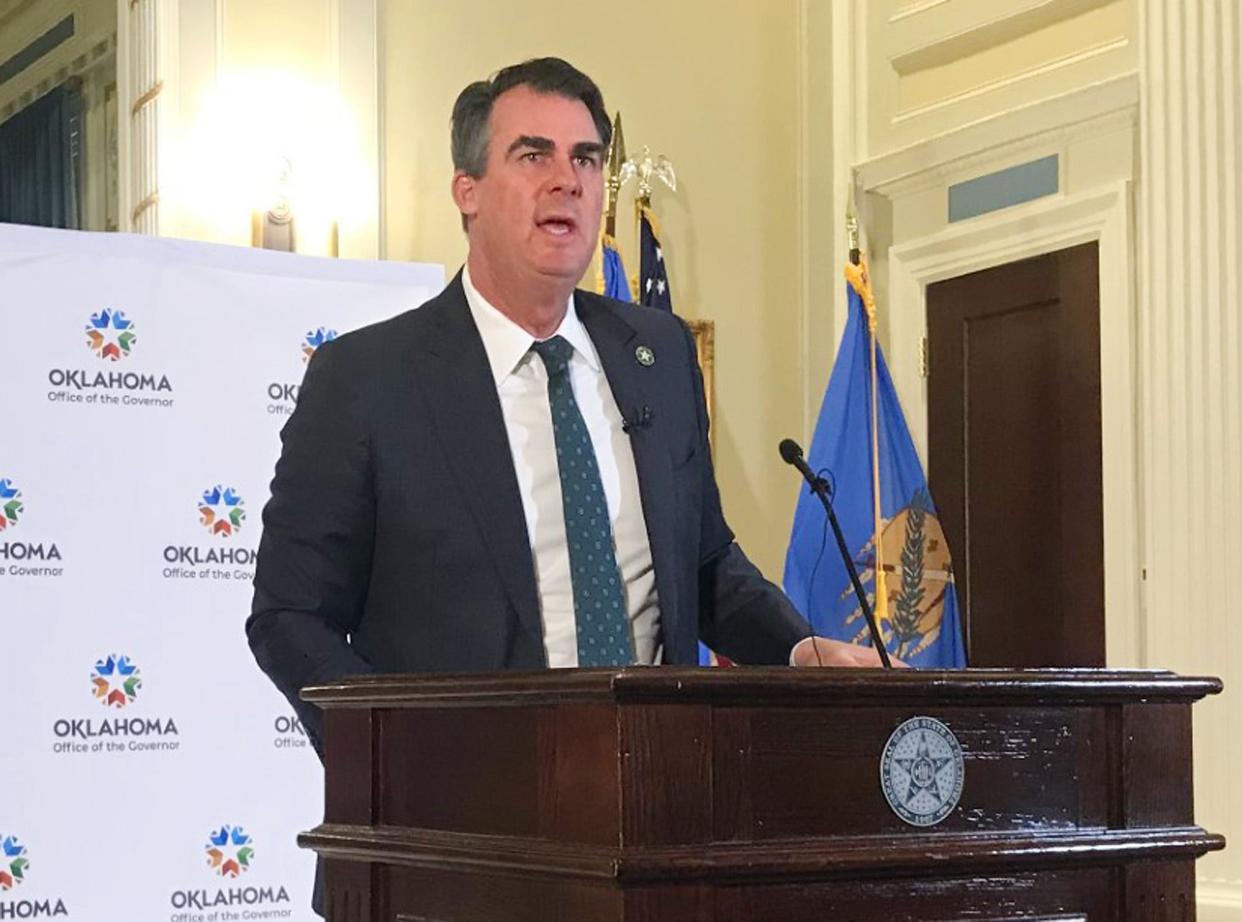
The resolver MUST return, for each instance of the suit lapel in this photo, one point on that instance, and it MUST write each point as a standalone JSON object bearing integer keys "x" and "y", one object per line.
{"x": 616, "y": 340}
{"x": 465, "y": 407}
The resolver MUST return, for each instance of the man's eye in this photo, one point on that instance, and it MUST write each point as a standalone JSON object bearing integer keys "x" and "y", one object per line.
{"x": 532, "y": 155}
{"x": 585, "y": 160}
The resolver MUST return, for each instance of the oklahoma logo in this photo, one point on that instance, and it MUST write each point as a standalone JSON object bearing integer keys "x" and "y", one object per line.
{"x": 116, "y": 681}
{"x": 230, "y": 851}
{"x": 314, "y": 340}
{"x": 109, "y": 335}
{"x": 13, "y": 862}
{"x": 10, "y": 503}
{"x": 222, "y": 510}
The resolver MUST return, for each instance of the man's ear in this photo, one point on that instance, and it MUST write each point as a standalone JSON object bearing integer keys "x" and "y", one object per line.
{"x": 465, "y": 193}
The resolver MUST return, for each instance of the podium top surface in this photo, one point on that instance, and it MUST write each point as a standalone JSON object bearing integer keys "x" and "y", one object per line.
{"x": 776, "y": 686}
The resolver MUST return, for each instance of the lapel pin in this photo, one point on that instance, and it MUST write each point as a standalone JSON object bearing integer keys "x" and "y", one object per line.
{"x": 645, "y": 356}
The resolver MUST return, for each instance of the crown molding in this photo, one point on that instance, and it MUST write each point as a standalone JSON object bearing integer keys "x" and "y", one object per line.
{"x": 1093, "y": 110}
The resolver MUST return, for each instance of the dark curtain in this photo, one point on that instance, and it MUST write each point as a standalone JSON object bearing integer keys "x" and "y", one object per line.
{"x": 40, "y": 161}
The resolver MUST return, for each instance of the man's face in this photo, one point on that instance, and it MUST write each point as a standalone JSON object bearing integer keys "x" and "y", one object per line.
{"x": 535, "y": 212}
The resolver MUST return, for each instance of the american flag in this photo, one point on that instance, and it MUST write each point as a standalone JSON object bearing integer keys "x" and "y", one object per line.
{"x": 653, "y": 286}
{"x": 654, "y": 291}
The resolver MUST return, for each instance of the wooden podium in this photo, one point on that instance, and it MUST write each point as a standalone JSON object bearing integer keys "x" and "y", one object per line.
{"x": 730, "y": 795}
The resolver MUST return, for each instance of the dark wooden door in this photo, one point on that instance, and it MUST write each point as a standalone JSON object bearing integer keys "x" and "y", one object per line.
{"x": 1014, "y": 456}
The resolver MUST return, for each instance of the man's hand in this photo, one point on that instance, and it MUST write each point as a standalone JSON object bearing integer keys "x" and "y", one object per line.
{"x": 820, "y": 651}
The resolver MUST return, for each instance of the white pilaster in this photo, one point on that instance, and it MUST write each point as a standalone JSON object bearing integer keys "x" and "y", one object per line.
{"x": 145, "y": 71}
{"x": 1190, "y": 254}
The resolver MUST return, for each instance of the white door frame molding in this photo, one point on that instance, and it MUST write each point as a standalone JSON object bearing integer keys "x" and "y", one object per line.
{"x": 1104, "y": 215}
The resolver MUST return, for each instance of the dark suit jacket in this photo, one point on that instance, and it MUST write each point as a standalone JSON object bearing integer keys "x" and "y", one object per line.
{"x": 395, "y": 539}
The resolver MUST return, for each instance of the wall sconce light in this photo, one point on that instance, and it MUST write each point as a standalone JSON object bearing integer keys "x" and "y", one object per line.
{"x": 278, "y": 151}
{"x": 275, "y": 228}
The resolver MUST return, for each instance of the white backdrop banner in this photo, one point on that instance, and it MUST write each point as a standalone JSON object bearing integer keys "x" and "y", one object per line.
{"x": 148, "y": 770}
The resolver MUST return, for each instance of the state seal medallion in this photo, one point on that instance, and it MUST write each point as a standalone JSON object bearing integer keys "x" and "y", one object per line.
{"x": 922, "y": 771}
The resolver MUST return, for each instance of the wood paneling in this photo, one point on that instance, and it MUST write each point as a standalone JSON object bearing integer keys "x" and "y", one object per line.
{"x": 740, "y": 794}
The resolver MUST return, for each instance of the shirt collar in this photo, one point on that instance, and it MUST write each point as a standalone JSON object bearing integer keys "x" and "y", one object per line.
{"x": 507, "y": 344}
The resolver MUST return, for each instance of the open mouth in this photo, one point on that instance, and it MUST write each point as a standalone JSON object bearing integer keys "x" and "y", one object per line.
{"x": 557, "y": 226}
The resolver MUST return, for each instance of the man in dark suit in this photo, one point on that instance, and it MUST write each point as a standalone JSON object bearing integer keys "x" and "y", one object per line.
{"x": 516, "y": 474}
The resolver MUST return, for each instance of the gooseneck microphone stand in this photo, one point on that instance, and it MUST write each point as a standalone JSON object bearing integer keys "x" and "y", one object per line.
{"x": 791, "y": 452}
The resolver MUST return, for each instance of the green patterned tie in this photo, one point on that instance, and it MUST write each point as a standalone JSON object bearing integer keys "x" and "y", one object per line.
{"x": 599, "y": 595}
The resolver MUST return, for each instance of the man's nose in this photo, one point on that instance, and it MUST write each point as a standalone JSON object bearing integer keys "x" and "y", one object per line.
{"x": 564, "y": 178}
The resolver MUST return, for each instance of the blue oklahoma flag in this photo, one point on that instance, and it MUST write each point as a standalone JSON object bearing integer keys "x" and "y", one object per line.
{"x": 615, "y": 285}
{"x": 922, "y": 625}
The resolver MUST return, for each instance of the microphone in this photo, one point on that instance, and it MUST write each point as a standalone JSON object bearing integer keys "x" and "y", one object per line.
{"x": 638, "y": 419}
{"x": 791, "y": 454}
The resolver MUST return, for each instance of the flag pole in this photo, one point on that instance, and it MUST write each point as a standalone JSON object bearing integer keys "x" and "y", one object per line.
{"x": 851, "y": 229}
{"x": 616, "y": 164}
{"x": 642, "y": 201}
{"x": 862, "y": 283}
{"x": 616, "y": 161}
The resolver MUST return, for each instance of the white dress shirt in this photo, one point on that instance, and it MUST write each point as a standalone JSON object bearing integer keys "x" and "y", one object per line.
{"x": 522, "y": 383}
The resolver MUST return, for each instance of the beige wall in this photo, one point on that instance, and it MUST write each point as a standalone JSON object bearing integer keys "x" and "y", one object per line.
{"x": 303, "y": 45}
{"x": 716, "y": 87}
